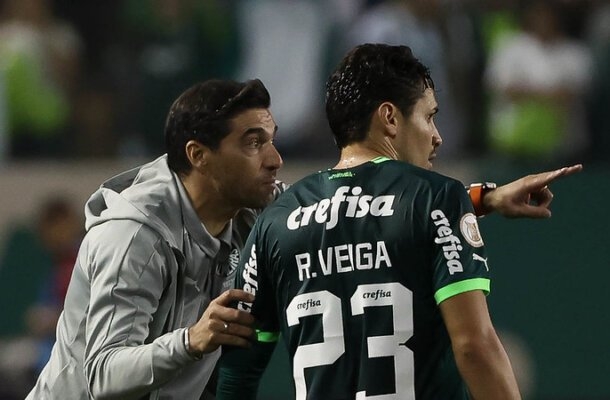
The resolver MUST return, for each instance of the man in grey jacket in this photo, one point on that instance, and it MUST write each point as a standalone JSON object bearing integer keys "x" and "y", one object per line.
{"x": 149, "y": 302}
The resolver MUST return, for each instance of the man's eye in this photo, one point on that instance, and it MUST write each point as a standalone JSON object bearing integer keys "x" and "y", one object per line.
{"x": 254, "y": 142}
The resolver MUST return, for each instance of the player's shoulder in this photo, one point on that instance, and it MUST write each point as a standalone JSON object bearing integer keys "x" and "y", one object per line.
{"x": 305, "y": 186}
{"x": 297, "y": 194}
{"x": 388, "y": 175}
{"x": 414, "y": 175}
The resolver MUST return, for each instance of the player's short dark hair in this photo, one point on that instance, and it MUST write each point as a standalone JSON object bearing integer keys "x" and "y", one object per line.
{"x": 203, "y": 112}
{"x": 369, "y": 75}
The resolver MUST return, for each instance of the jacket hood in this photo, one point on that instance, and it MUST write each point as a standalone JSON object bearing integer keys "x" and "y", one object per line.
{"x": 147, "y": 194}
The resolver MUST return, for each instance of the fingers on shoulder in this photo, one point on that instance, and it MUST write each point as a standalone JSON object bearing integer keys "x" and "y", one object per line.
{"x": 232, "y": 315}
{"x": 233, "y": 295}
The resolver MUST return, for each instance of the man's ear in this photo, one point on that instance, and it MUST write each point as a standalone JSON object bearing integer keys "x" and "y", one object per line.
{"x": 387, "y": 114}
{"x": 197, "y": 154}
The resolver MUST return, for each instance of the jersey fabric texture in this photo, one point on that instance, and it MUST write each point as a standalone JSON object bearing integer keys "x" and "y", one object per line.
{"x": 146, "y": 270}
{"x": 351, "y": 265}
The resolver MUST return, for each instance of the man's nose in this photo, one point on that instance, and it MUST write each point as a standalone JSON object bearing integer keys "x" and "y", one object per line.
{"x": 274, "y": 158}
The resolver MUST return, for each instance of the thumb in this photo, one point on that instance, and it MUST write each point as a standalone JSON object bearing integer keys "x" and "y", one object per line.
{"x": 535, "y": 211}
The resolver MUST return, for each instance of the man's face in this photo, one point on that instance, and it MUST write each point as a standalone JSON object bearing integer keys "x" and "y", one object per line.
{"x": 244, "y": 166}
{"x": 418, "y": 137}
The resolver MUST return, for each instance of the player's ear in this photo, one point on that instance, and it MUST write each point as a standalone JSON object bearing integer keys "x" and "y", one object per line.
{"x": 197, "y": 154}
{"x": 387, "y": 114}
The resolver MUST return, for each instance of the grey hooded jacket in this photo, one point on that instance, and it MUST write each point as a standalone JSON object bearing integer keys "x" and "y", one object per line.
{"x": 146, "y": 270}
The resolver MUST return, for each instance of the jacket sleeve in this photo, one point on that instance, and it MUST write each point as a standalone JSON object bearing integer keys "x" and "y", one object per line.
{"x": 128, "y": 274}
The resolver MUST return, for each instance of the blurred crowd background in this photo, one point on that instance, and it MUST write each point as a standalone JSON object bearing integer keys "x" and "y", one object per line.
{"x": 85, "y": 87}
{"x": 524, "y": 79}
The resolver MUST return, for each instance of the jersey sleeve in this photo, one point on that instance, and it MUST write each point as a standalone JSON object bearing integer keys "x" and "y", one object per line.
{"x": 458, "y": 255}
{"x": 254, "y": 276}
{"x": 240, "y": 369}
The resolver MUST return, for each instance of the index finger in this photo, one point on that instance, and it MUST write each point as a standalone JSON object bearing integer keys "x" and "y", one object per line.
{"x": 234, "y": 295}
{"x": 571, "y": 169}
{"x": 545, "y": 178}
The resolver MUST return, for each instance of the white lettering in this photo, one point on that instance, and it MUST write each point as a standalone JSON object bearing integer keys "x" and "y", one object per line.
{"x": 250, "y": 279}
{"x": 382, "y": 255}
{"x": 307, "y": 213}
{"x": 293, "y": 222}
{"x": 309, "y": 304}
{"x": 304, "y": 265}
{"x": 454, "y": 266}
{"x": 336, "y": 201}
{"x": 340, "y": 256}
{"x": 321, "y": 215}
{"x": 378, "y": 294}
{"x": 452, "y": 246}
{"x": 343, "y": 258}
{"x": 364, "y": 258}
{"x": 363, "y": 204}
{"x": 328, "y": 265}
{"x": 382, "y": 206}
{"x": 328, "y": 211}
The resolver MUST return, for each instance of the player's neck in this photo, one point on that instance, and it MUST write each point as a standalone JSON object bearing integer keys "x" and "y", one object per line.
{"x": 359, "y": 153}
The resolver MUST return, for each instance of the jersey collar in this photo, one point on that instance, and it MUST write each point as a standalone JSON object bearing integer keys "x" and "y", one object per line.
{"x": 380, "y": 159}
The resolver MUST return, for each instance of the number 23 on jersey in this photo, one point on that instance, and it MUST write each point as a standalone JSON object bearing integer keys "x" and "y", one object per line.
{"x": 328, "y": 351}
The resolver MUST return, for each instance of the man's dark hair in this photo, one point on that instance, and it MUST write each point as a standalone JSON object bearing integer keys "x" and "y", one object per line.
{"x": 203, "y": 113}
{"x": 369, "y": 75}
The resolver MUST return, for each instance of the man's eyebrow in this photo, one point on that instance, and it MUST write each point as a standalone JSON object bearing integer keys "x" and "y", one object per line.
{"x": 258, "y": 130}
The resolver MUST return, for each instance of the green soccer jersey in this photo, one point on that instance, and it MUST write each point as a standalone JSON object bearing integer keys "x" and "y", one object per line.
{"x": 350, "y": 266}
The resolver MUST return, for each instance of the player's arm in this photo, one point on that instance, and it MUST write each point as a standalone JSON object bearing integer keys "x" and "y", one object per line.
{"x": 480, "y": 357}
{"x": 240, "y": 371}
{"x": 527, "y": 197}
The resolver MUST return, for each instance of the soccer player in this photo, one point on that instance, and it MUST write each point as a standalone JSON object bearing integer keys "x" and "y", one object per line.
{"x": 374, "y": 271}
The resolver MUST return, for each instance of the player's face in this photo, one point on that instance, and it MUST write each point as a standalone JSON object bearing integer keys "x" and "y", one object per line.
{"x": 419, "y": 136}
{"x": 246, "y": 163}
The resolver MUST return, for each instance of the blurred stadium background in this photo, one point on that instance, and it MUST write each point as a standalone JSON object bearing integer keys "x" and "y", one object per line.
{"x": 523, "y": 86}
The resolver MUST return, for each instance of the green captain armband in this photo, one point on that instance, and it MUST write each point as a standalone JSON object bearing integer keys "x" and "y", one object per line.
{"x": 267, "y": 337}
{"x": 460, "y": 287}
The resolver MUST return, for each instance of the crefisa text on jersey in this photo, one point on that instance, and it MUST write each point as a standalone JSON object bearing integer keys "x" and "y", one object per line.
{"x": 343, "y": 258}
{"x": 327, "y": 210}
{"x": 451, "y": 243}
{"x": 310, "y": 303}
{"x": 377, "y": 294}
{"x": 250, "y": 279}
